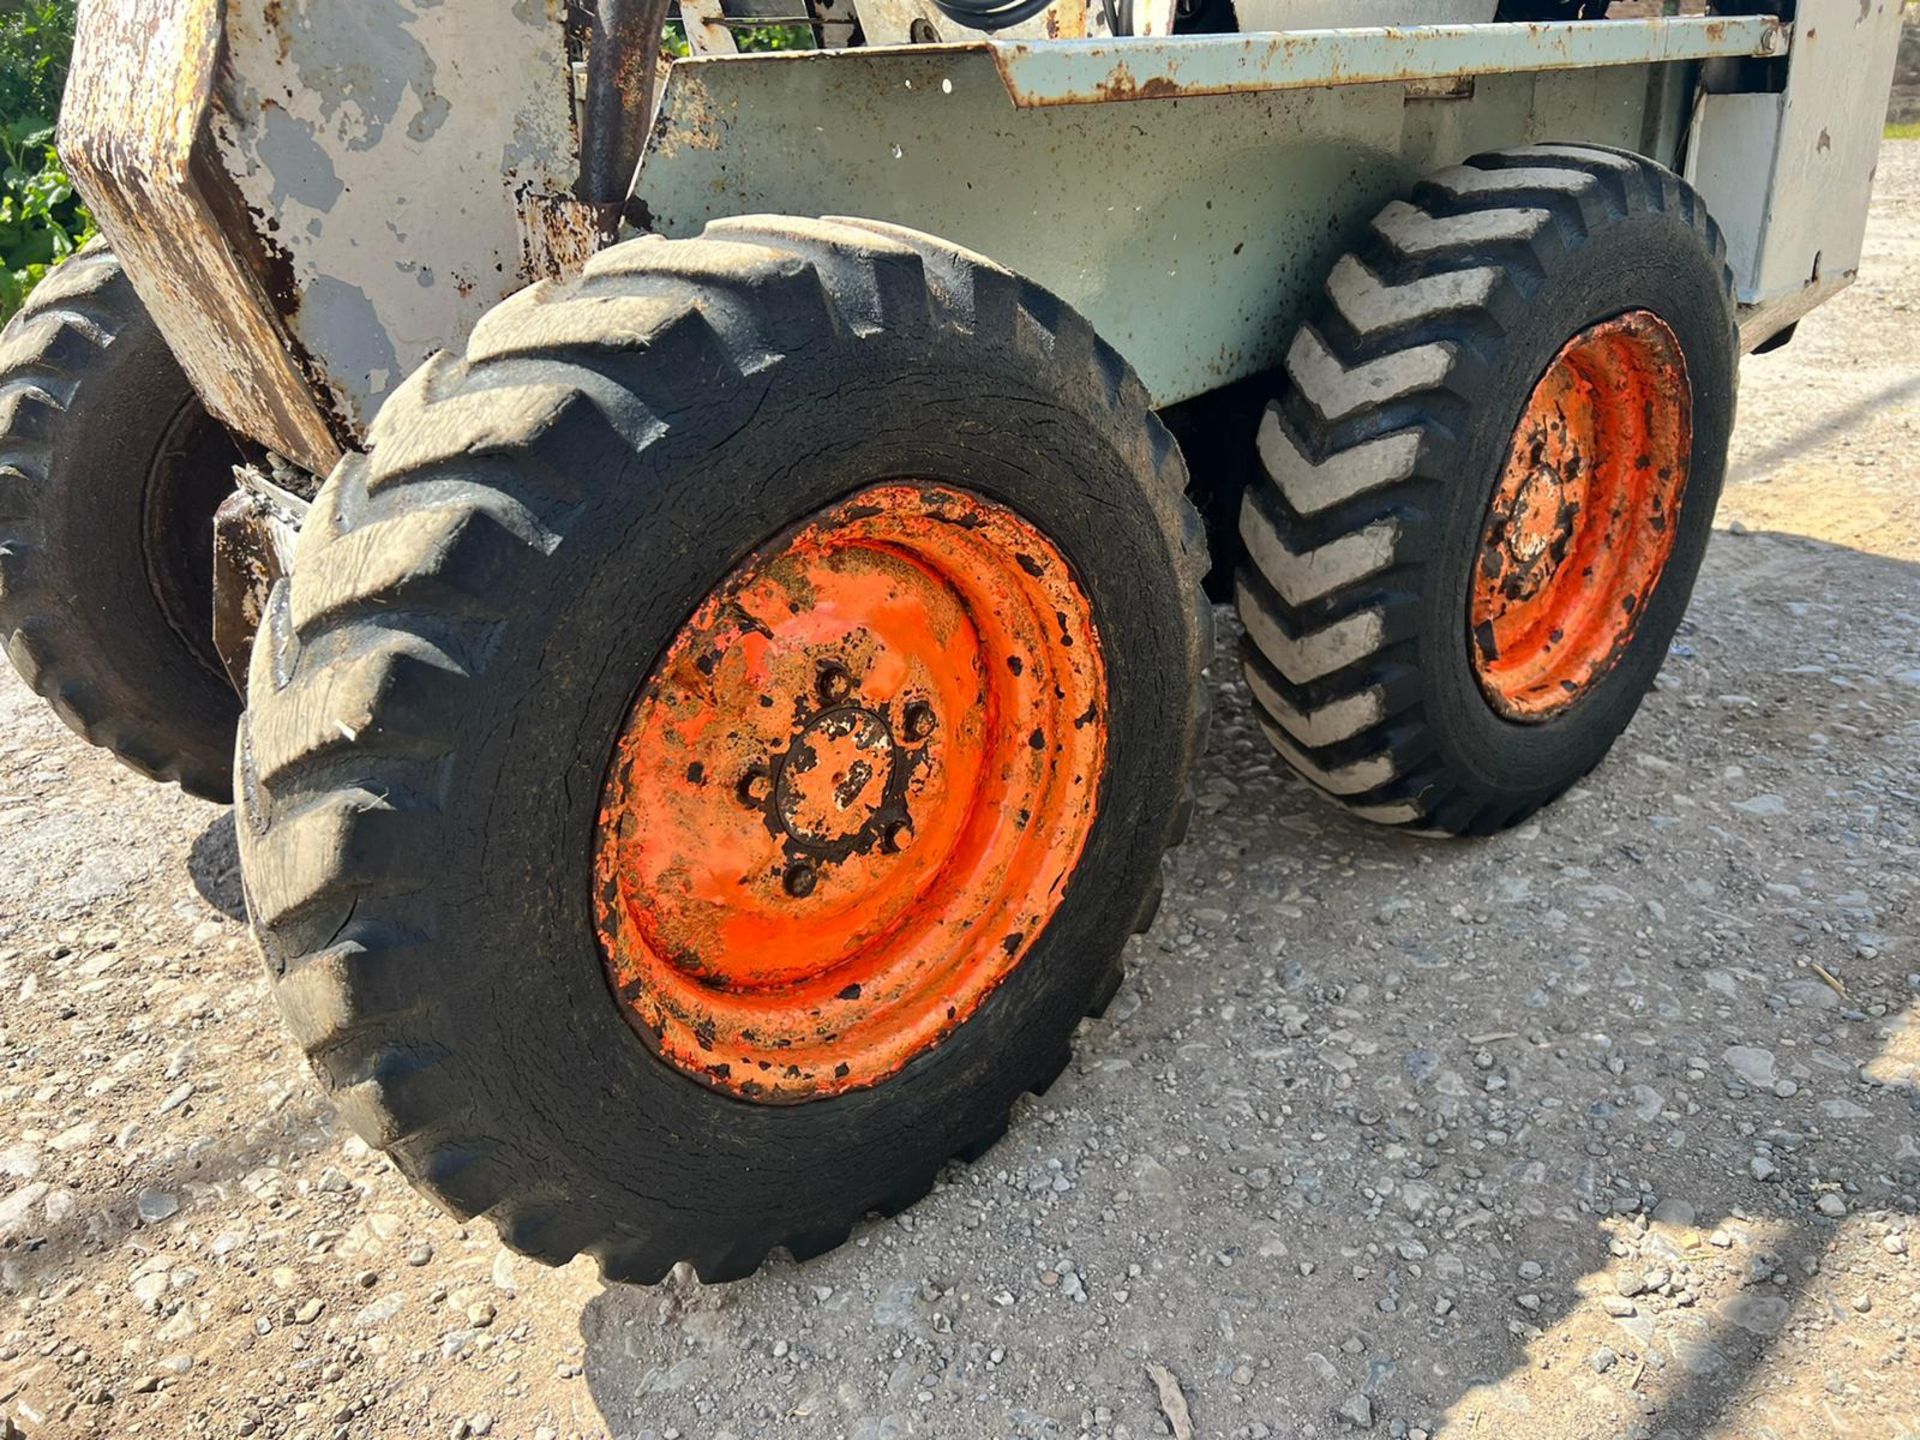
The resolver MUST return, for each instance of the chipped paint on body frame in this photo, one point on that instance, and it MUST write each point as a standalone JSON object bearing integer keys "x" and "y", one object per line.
{"x": 1196, "y": 271}
{"x": 1089, "y": 72}
{"x": 326, "y": 194}
{"x": 400, "y": 157}
{"x": 354, "y": 188}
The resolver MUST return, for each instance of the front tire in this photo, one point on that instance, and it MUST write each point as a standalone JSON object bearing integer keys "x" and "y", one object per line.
{"x": 1489, "y": 485}
{"x": 500, "y": 693}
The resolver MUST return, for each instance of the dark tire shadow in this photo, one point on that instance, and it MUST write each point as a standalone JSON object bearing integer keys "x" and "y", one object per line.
{"x": 1439, "y": 1113}
{"x": 214, "y": 864}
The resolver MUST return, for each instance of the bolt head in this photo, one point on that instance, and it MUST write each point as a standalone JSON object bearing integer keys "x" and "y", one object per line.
{"x": 899, "y": 835}
{"x": 756, "y": 785}
{"x": 919, "y": 720}
{"x": 800, "y": 879}
{"x": 834, "y": 683}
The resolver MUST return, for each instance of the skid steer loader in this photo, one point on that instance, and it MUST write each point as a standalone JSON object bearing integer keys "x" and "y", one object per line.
{"x": 716, "y": 571}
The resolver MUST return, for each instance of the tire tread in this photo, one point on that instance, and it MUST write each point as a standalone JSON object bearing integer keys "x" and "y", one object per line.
{"x": 415, "y": 550}
{"x": 1372, "y": 382}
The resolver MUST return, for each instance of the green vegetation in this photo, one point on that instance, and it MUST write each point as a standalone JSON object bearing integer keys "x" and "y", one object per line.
{"x": 41, "y": 220}
{"x": 1906, "y": 130}
{"x": 753, "y": 37}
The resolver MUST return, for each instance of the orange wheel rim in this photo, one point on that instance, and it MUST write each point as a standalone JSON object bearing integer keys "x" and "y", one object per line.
{"x": 1584, "y": 518}
{"x": 849, "y": 798}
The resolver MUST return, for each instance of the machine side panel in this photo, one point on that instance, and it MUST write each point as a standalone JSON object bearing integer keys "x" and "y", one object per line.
{"x": 405, "y": 165}
{"x": 1190, "y": 232}
{"x": 1830, "y": 127}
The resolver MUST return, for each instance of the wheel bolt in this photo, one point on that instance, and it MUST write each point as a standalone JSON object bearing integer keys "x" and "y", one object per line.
{"x": 755, "y": 786}
{"x": 919, "y": 720}
{"x": 800, "y": 879}
{"x": 899, "y": 835}
{"x": 834, "y": 684}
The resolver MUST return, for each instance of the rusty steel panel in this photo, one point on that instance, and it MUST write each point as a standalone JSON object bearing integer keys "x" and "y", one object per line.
{"x": 253, "y": 538}
{"x": 313, "y": 197}
{"x": 1092, "y": 72}
{"x": 405, "y": 164}
{"x": 132, "y": 131}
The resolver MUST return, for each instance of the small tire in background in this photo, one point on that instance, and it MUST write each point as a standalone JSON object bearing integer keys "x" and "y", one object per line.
{"x": 110, "y": 471}
{"x": 591, "y": 720}
{"x": 1489, "y": 485}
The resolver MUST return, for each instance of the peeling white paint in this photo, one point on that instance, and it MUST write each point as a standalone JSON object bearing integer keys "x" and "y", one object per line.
{"x": 385, "y": 149}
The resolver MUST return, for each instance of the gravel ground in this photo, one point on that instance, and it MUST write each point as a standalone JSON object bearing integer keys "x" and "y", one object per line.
{"x": 1610, "y": 1126}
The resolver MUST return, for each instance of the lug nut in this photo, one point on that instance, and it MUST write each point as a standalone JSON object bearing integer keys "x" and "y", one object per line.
{"x": 919, "y": 720}
{"x": 800, "y": 879}
{"x": 834, "y": 684}
{"x": 755, "y": 786}
{"x": 899, "y": 835}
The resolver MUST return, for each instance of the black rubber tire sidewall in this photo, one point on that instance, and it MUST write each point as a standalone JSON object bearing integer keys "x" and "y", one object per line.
{"x": 147, "y": 683}
{"x": 601, "y": 1119}
{"x": 1650, "y": 260}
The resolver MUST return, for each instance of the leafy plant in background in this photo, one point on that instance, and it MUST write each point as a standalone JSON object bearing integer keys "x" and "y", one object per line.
{"x": 41, "y": 219}
{"x": 747, "y": 39}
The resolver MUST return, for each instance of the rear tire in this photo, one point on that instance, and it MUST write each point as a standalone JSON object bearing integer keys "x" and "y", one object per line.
{"x": 110, "y": 471}
{"x": 437, "y": 694}
{"x": 1383, "y": 454}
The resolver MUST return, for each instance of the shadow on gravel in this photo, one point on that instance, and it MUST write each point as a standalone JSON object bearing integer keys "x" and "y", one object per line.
{"x": 1385, "y": 1127}
{"x": 1822, "y": 435}
{"x": 214, "y": 864}
{"x": 198, "y": 1183}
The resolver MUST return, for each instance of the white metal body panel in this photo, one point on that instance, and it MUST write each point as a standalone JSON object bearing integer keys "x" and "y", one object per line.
{"x": 403, "y": 158}
{"x": 1729, "y": 163}
{"x": 1788, "y": 176}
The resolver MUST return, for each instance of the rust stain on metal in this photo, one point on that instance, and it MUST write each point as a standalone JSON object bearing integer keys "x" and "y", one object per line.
{"x": 1120, "y": 84}
{"x": 850, "y": 796}
{"x": 687, "y": 115}
{"x": 253, "y": 537}
{"x": 1037, "y": 74}
{"x": 134, "y": 133}
{"x": 1584, "y": 516}
{"x": 558, "y": 233}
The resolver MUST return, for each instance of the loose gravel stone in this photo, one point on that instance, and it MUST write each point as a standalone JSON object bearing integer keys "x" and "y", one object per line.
{"x": 1357, "y": 1410}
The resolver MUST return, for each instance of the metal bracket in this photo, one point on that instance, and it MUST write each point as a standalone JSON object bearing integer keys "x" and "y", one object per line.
{"x": 253, "y": 535}
{"x": 1093, "y": 72}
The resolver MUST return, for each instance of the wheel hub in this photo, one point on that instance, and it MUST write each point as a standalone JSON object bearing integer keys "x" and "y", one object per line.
{"x": 1535, "y": 533}
{"x": 850, "y": 795}
{"x": 834, "y": 779}
{"x": 1583, "y": 520}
